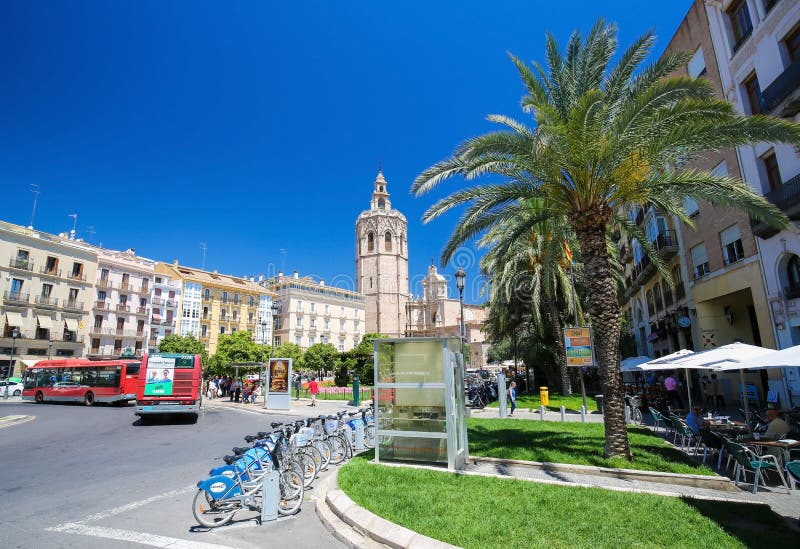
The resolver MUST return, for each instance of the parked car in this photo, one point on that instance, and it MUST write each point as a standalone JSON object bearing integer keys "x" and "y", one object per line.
{"x": 14, "y": 388}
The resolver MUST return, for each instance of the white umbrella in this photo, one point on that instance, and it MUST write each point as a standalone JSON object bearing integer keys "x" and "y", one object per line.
{"x": 631, "y": 364}
{"x": 786, "y": 358}
{"x": 667, "y": 362}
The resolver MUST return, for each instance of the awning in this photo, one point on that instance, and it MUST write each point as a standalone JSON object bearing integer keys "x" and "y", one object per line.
{"x": 653, "y": 336}
{"x": 72, "y": 324}
{"x": 14, "y": 319}
{"x": 28, "y": 362}
{"x": 45, "y": 322}
{"x": 156, "y": 318}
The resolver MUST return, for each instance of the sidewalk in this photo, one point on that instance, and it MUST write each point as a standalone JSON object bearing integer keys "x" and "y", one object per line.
{"x": 299, "y": 408}
{"x": 524, "y": 413}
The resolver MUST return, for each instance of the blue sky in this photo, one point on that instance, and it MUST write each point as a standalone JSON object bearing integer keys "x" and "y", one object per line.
{"x": 258, "y": 127}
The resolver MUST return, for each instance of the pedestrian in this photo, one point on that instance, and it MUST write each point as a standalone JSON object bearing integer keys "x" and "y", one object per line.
{"x": 673, "y": 396}
{"x": 512, "y": 397}
{"x": 256, "y": 392}
{"x": 238, "y": 389}
{"x": 212, "y": 389}
{"x": 313, "y": 388}
{"x": 298, "y": 384}
{"x": 231, "y": 389}
{"x": 719, "y": 395}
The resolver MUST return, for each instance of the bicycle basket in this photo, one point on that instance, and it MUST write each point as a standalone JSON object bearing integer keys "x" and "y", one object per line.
{"x": 330, "y": 426}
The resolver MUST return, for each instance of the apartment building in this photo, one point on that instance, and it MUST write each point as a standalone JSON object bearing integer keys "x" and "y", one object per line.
{"x": 435, "y": 314}
{"x": 213, "y": 304}
{"x": 47, "y": 285}
{"x": 121, "y": 307}
{"x": 757, "y": 47}
{"x": 311, "y": 312}
{"x": 165, "y": 303}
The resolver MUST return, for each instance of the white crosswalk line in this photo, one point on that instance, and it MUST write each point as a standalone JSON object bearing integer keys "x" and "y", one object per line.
{"x": 143, "y": 538}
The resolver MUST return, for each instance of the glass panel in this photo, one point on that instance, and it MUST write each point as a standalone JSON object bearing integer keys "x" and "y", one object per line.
{"x": 414, "y": 449}
{"x": 410, "y": 362}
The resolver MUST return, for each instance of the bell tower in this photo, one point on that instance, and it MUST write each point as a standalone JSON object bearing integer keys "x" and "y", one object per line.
{"x": 382, "y": 263}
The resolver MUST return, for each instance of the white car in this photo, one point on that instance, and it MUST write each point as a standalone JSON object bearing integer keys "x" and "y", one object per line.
{"x": 14, "y": 388}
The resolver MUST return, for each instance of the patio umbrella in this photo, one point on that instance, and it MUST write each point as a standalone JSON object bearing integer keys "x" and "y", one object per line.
{"x": 631, "y": 364}
{"x": 785, "y": 358}
{"x": 666, "y": 362}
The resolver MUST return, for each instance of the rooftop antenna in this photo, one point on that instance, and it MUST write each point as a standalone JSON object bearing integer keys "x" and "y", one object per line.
{"x": 74, "y": 224}
{"x": 203, "y": 247}
{"x": 90, "y": 230}
{"x": 283, "y": 260}
{"x": 35, "y": 191}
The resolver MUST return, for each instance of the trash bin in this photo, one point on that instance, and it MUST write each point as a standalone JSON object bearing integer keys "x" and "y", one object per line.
{"x": 599, "y": 400}
{"x": 544, "y": 396}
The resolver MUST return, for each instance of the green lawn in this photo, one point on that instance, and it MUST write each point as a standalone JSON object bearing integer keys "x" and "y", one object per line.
{"x": 573, "y": 442}
{"x": 528, "y": 402}
{"x": 479, "y": 512}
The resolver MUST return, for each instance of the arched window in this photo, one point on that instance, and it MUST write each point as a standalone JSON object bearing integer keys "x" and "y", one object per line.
{"x": 381, "y": 203}
{"x": 651, "y": 304}
{"x": 657, "y": 297}
{"x": 387, "y": 239}
{"x": 793, "y": 273}
{"x": 370, "y": 242}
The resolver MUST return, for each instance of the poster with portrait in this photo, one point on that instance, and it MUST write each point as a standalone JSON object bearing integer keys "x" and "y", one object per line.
{"x": 279, "y": 369}
{"x": 160, "y": 373}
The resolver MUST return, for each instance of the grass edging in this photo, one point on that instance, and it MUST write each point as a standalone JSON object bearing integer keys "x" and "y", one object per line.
{"x": 683, "y": 479}
{"x": 373, "y": 526}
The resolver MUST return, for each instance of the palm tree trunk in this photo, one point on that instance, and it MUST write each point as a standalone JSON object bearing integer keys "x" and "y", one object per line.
{"x": 554, "y": 321}
{"x": 605, "y": 315}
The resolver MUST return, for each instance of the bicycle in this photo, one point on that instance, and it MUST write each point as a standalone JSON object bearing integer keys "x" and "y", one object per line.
{"x": 633, "y": 405}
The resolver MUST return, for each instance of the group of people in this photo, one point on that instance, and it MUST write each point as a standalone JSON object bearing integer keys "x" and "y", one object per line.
{"x": 237, "y": 390}
{"x": 710, "y": 388}
{"x": 313, "y": 387}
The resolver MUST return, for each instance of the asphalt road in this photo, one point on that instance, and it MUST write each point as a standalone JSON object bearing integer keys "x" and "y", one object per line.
{"x": 94, "y": 477}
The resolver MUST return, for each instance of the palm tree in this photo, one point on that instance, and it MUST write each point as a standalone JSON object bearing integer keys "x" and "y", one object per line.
{"x": 525, "y": 247}
{"x": 606, "y": 138}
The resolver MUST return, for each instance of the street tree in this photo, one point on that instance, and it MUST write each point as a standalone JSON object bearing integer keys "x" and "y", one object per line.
{"x": 237, "y": 347}
{"x": 320, "y": 357}
{"x": 290, "y": 350}
{"x": 607, "y": 138}
{"x": 187, "y": 344}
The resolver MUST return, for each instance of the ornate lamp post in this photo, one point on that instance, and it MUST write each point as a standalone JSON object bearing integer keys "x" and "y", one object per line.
{"x": 276, "y": 308}
{"x": 461, "y": 278}
{"x": 14, "y": 336}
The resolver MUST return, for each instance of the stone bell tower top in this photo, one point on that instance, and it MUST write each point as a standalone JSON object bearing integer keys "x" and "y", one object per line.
{"x": 380, "y": 196}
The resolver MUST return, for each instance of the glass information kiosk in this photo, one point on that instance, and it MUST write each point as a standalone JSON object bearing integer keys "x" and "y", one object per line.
{"x": 419, "y": 401}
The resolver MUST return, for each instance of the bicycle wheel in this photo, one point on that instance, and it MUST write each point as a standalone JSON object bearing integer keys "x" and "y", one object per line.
{"x": 325, "y": 451}
{"x": 210, "y": 513}
{"x": 636, "y": 416}
{"x": 316, "y": 455}
{"x": 291, "y": 486}
{"x": 369, "y": 436}
{"x": 308, "y": 466}
{"x": 338, "y": 449}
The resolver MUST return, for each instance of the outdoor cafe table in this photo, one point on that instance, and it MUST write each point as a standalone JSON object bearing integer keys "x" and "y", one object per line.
{"x": 785, "y": 446}
{"x": 734, "y": 426}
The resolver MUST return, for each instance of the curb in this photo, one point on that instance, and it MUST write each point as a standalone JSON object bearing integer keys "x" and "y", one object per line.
{"x": 361, "y": 529}
{"x": 9, "y": 421}
{"x": 715, "y": 482}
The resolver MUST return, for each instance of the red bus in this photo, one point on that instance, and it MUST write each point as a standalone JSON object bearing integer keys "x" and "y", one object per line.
{"x": 80, "y": 380}
{"x": 169, "y": 384}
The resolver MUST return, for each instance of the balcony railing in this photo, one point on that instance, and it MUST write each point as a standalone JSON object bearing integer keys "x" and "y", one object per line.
{"x": 73, "y": 304}
{"x": 80, "y": 277}
{"x": 50, "y": 271}
{"x": 101, "y": 305}
{"x": 122, "y": 308}
{"x": 157, "y": 301}
{"x": 16, "y": 297}
{"x": 104, "y": 283}
{"x": 171, "y": 303}
{"x": 21, "y": 264}
{"x": 787, "y": 198}
{"x": 144, "y": 289}
{"x": 142, "y": 310}
{"x": 46, "y": 301}
{"x": 780, "y": 89}
{"x": 128, "y": 287}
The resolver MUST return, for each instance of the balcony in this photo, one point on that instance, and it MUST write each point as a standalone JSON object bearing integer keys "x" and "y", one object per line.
{"x": 78, "y": 277}
{"x": 45, "y": 301}
{"x": 128, "y": 287}
{"x": 157, "y": 301}
{"x": 21, "y": 264}
{"x": 73, "y": 305}
{"x": 667, "y": 244}
{"x": 101, "y": 305}
{"x": 643, "y": 270}
{"x": 142, "y": 311}
{"x": 171, "y": 303}
{"x": 16, "y": 298}
{"x": 50, "y": 271}
{"x": 104, "y": 283}
{"x": 120, "y": 308}
{"x": 144, "y": 289}
{"x": 782, "y": 96}
{"x": 787, "y": 198}
{"x": 152, "y": 342}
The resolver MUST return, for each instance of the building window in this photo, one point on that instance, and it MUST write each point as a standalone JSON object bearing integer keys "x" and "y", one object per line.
{"x": 700, "y": 260}
{"x": 651, "y": 303}
{"x": 731, "y": 240}
{"x": 224, "y": 297}
{"x": 47, "y": 290}
{"x": 72, "y": 299}
{"x": 207, "y": 293}
{"x": 252, "y": 301}
{"x": 793, "y": 277}
{"x": 341, "y": 345}
{"x": 51, "y": 265}
{"x": 98, "y": 321}
{"x": 387, "y": 239}
{"x": 300, "y": 322}
{"x": 313, "y": 323}
{"x": 298, "y": 340}
{"x": 741, "y": 24}
{"x": 77, "y": 270}
{"x": 657, "y": 297}
{"x": 299, "y": 306}
{"x": 222, "y": 329}
{"x": 311, "y": 339}
{"x": 771, "y": 169}
{"x": 691, "y": 206}
{"x": 370, "y": 242}
{"x": 101, "y": 295}
{"x": 792, "y": 42}
{"x": 697, "y": 64}
{"x": 753, "y": 92}
{"x": 313, "y": 307}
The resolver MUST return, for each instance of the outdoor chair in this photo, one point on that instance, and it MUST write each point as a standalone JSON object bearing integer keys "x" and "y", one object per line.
{"x": 710, "y": 441}
{"x": 674, "y": 425}
{"x": 687, "y": 435}
{"x": 747, "y": 460}
{"x": 657, "y": 418}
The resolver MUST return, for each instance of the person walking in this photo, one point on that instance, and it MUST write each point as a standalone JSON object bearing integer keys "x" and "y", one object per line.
{"x": 298, "y": 384}
{"x": 238, "y": 387}
{"x": 512, "y": 397}
{"x": 211, "y": 392}
{"x": 313, "y": 388}
{"x": 719, "y": 395}
{"x": 673, "y": 396}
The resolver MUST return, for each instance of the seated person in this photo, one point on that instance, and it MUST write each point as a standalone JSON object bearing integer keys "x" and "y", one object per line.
{"x": 695, "y": 419}
{"x": 777, "y": 428}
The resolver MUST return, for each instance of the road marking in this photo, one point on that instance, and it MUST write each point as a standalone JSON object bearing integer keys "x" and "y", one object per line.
{"x": 134, "y": 537}
{"x": 136, "y": 504}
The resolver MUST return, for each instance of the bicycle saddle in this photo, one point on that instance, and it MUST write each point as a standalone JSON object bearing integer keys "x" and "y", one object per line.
{"x": 230, "y": 460}
{"x": 276, "y": 424}
{"x": 239, "y": 450}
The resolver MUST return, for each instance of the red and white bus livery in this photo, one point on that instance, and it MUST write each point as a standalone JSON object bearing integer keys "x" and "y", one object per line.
{"x": 169, "y": 384}
{"x": 81, "y": 380}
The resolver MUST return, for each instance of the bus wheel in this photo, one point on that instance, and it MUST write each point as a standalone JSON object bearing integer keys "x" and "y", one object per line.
{"x": 89, "y": 398}
{"x": 39, "y": 397}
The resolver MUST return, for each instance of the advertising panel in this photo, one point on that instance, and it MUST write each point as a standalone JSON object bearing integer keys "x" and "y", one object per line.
{"x": 160, "y": 373}
{"x": 578, "y": 346}
{"x": 279, "y": 375}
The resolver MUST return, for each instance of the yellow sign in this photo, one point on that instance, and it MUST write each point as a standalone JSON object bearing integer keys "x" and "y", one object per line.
{"x": 578, "y": 346}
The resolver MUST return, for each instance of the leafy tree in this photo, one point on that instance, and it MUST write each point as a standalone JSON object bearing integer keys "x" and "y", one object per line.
{"x": 290, "y": 350}
{"x": 606, "y": 140}
{"x": 363, "y": 355}
{"x": 500, "y": 351}
{"x": 187, "y": 344}
{"x": 342, "y": 377}
{"x": 235, "y": 347}
{"x": 320, "y": 357}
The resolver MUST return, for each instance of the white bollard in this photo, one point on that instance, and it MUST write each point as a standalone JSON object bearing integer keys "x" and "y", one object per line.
{"x": 627, "y": 415}
{"x": 503, "y": 395}
{"x": 542, "y": 411}
{"x": 270, "y": 496}
{"x": 583, "y": 414}
{"x": 563, "y": 412}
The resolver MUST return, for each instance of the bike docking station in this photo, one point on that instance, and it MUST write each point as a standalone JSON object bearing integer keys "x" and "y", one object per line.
{"x": 270, "y": 496}
{"x": 278, "y": 395}
{"x": 420, "y": 409}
